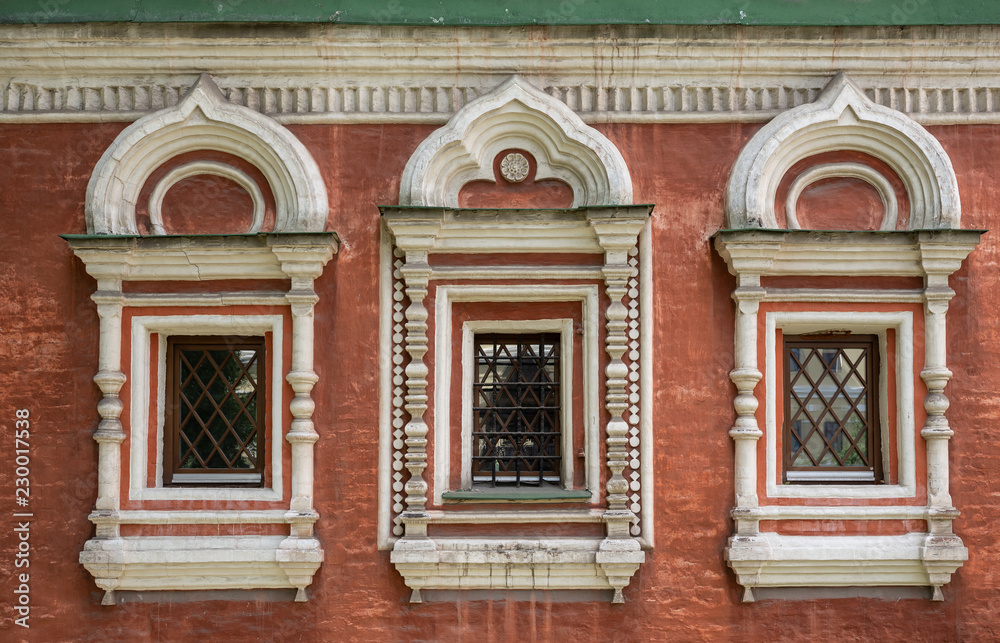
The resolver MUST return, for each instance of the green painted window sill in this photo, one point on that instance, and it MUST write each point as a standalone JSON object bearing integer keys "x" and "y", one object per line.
{"x": 517, "y": 494}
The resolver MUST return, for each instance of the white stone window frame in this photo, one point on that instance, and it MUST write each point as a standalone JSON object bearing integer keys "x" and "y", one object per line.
{"x": 769, "y": 559}
{"x": 587, "y": 295}
{"x": 515, "y": 115}
{"x": 869, "y": 322}
{"x": 165, "y": 326}
{"x": 933, "y": 247}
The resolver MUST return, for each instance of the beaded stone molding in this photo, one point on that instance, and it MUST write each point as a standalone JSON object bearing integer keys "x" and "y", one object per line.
{"x": 414, "y": 486}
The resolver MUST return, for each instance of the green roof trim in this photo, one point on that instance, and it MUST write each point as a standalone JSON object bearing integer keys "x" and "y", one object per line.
{"x": 511, "y": 12}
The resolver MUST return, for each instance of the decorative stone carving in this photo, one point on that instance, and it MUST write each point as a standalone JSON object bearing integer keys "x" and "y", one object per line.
{"x": 515, "y": 116}
{"x": 520, "y": 116}
{"x": 617, "y": 237}
{"x": 113, "y": 252}
{"x": 514, "y": 167}
{"x": 768, "y": 559}
{"x": 750, "y": 78}
{"x": 434, "y": 562}
{"x": 138, "y": 563}
{"x": 637, "y": 491}
{"x": 205, "y": 120}
{"x": 843, "y": 118}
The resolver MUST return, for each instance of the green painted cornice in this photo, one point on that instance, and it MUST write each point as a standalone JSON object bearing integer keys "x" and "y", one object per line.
{"x": 511, "y": 12}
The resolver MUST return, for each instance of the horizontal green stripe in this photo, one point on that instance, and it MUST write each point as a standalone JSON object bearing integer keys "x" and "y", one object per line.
{"x": 511, "y": 12}
{"x": 520, "y": 493}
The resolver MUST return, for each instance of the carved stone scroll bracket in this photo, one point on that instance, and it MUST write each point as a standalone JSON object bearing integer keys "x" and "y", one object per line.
{"x": 619, "y": 559}
{"x": 746, "y": 555}
{"x": 104, "y": 557}
{"x": 300, "y": 556}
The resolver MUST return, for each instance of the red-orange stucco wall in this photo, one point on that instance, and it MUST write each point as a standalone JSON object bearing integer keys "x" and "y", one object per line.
{"x": 684, "y": 591}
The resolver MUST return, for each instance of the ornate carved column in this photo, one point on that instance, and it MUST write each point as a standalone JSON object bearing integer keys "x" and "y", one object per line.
{"x": 747, "y": 261}
{"x": 300, "y": 554}
{"x": 416, "y": 274}
{"x": 109, "y": 266}
{"x": 943, "y": 550}
{"x": 415, "y": 237}
{"x": 619, "y": 554}
{"x": 745, "y": 375}
{"x": 110, "y": 379}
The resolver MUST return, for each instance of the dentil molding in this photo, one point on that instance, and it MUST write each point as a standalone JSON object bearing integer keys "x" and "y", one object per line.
{"x": 339, "y": 73}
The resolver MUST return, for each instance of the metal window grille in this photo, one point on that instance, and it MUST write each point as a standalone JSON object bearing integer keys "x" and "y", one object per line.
{"x": 831, "y": 409}
{"x": 516, "y": 409}
{"x": 215, "y": 410}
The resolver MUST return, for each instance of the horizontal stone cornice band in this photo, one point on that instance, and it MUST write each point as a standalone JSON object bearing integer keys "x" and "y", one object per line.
{"x": 664, "y": 74}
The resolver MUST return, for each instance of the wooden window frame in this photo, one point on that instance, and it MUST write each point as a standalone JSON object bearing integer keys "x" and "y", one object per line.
{"x": 871, "y": 472}
{"x": 173, "y": 476}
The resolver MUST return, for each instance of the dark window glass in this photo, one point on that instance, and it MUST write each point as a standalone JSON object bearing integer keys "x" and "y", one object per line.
{"x": 831, "y": 409}
{"x": 215, "y": 411}
{"x": 516, "y": 409}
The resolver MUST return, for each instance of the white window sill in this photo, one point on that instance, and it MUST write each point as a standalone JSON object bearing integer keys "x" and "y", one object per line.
{"x": 543, "y": 564}
{"x": 776, "y": 560}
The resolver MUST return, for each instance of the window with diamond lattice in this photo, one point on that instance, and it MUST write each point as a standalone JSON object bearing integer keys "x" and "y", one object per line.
{"x": 831, "y": 409}
{"x": 215, "y": 411}
{"x": 516, "y": 409}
